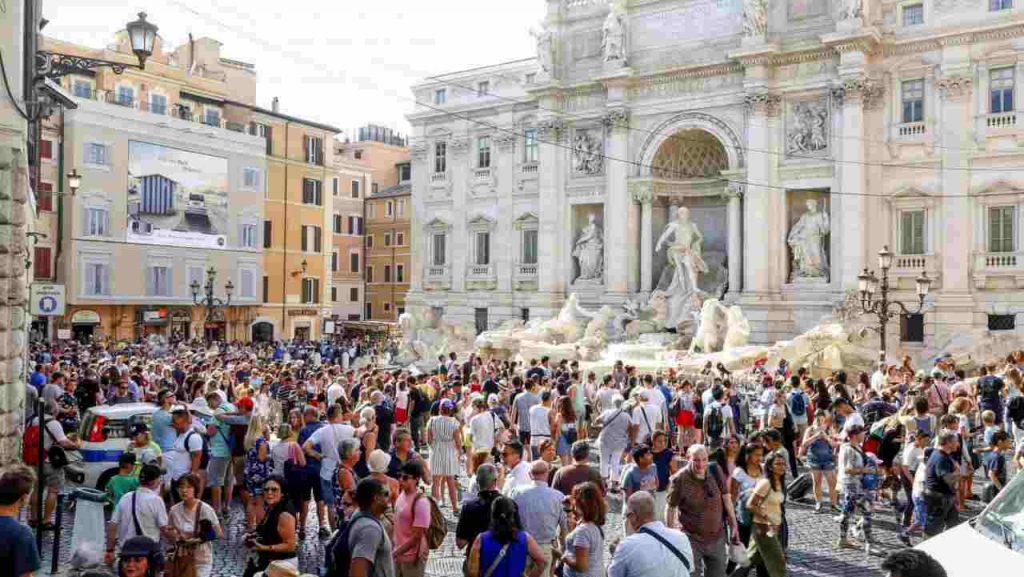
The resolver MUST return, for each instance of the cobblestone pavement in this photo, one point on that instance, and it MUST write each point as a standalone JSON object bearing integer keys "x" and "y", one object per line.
{"x": 811, "y": 554}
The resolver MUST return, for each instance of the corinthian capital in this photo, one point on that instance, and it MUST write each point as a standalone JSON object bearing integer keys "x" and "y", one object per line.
{"x": 763, "y": 103}
{"x": 954, "y": 87}
{"x": 616, "y": 118}
{"x": 641, "y": 192}
{"x": 551, "y": 128}
{"x": 861, "y": 89}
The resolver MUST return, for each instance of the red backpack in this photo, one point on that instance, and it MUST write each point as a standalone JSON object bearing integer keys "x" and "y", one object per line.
{"x": 30, "y": 444}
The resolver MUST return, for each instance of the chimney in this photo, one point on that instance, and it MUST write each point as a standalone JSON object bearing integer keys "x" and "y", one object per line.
{"x": 275, "y": 105}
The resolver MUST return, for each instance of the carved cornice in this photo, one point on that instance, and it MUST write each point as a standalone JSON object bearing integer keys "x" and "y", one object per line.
{"x": 763, "y": 103}
{"x": 551, "y": 128}
{"x": 954, "y": 87}
{"x": 642, "y": 192}
{"x": 616, "y": 118}
{"x": 506, "y": 140}
{"x": 1014, "y": 30}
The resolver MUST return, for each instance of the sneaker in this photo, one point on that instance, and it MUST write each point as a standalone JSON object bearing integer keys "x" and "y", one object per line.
{"x": 324, "y": 533}
{"x": 846, "y": 544}
{"x": 904, "y": 537}
{"x": 915, "y": 529}
{"x": 817, "y": 507}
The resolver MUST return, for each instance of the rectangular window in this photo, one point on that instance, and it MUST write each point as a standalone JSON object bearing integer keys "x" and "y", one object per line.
{"x": 125, "y": 96}
{"x": 997, "y": 5}
{"x": 387, "y": 307}
{"x": 912, "y": 232}
{"x": 311, "y": 238}
{"x": 268, "y": 233}
{"x": 314, "y": 150}
{"x": 247, "y": 235}
{"x": 400, "y": 207}
{"x": 251, "y": 178}
{"x": 248, "y": 282}
{"x": 913, "y": 101}
{"x": 41, "y": 266}
{"x": 266, "y": 289}
{"x": 369, "y": 273}
{"x": 440, "y": 157}
{"x": 531, "y": 150}
{"x": 96, "y": 279}
{"x": 529, "y": 255}
{"x": 318, "y": 240}
{"x": 369, "y": 310}
{"x": 310, "y": 290}
{"x": 399, "y": 239}
{"x": 440, "y": 96}
{"x": 81, "y": 88}
{"x": 1002, "y": 322}
{"x": 387, "y": 273}
{"x": 374, "y": 188}
{"x": 524, "y": 314}
{"x": 483, "y": 88}
{"x": 46, "y": 149}
{"x": 399, "y": 273}
{"x": 369, "y": 241}
{"x": 265, "y": 132}
{"x": 913, "y": 14}
{"x": 1000, "y": 228}
{"x": 353, "y": 262}
{"x": 97, "y": 221}
{"x": 159, "y": 284}
{"x": 355, "y": 188}
{"x": 438, "y": 256}
{"x": 334, "y": 186}
{"x": 44, "y": 196}
{"x": 483, "y": 152}
{"x": 353, "y": 294}
{"x": 312, "y": 192}
{"x": 480, "y": 317}
{"x": 389, "y": 208}
{"x": 387, "y": 239}
{"x": 912, "y": 328}
{"x": 483, "y": 248}
{"x": 334, "y": 294}
{"x": 334, "y": 261}
{"x": 358, "y": 221}
{"x": 1001, "y": 82}
{"x": 95, "y": 153}
{"x": 158, "y": 103}
{"x": 337, "y": 224}
{"x": 405, "y": 173}
{"x": 211, "y": 116}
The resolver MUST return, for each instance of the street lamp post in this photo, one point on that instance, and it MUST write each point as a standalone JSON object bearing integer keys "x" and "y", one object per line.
{"x": 209, "y": 301}
{"x": 882, "y": 307}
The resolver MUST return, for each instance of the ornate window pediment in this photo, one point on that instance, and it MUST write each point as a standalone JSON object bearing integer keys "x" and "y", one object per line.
{"x": 912, "y": 196}
{"x": 998, "y": 188}
{"x": 437, "y": 225}
{"x": 481, "y": 223}
{"x": 527, "y": 221}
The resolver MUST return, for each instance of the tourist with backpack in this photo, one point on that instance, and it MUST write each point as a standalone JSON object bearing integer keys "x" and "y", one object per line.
{"x": 798, "y": 402}
{"x": 187, "y": 453}
{"x": 718, "y": 421}
{"x": 361, "y": 547}
{"x": 412, "y": 522}
{"x": 55, "y": 442}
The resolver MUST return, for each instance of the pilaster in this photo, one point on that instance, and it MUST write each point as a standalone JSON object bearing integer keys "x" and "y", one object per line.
{"x": 619, "y": 209}
{"x": 551, "y": 274}
{"x": 955, "y": 141}
{"x": 759, "y": 244}
{"x": 643, "y": 194}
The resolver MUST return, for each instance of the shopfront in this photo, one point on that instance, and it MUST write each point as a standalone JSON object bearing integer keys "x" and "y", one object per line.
{"x": 181, "y": 324}
{"x": 84, "y": 324}
{"x": 215, "y": 328}
{"x": 151, "y": 321}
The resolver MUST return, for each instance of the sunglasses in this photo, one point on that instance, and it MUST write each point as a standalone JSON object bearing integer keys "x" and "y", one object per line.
{"x": 272, "y": 489}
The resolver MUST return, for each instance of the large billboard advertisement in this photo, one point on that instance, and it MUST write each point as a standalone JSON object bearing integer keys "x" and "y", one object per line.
{"x": 176, "y": 197}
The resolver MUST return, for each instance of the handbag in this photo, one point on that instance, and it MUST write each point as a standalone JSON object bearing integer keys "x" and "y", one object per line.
{"x": 181, "y": 561}
{"x": 738, "y": 554}
{"x": 56, "y": 455}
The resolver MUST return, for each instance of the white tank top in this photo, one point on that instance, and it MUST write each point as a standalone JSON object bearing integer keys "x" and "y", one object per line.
{"x": 540, "y": 430}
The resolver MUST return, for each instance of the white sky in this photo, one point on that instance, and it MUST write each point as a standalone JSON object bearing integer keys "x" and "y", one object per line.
{"x": 342, "y": 62}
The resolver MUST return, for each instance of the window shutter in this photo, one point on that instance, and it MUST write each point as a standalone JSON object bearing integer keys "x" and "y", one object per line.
{"x": 305, "y": 149}
{"x": 90, "y": 279}
{"x": 316, "y": 290}
{"x": 317, "y": 240}
{"x": 267, "y": 233}
{"x": 305, "y": 238}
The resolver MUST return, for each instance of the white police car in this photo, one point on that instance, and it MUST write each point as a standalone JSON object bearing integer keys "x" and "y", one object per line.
{"x": 991, "y": 543}
{"x": 104, "y": 434}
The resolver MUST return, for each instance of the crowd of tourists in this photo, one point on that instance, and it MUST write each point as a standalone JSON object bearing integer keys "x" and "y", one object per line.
{"x": 324, "y": 441}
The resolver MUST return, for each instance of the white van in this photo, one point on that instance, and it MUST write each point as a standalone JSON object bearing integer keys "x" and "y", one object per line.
{"x": 104, "y": 434}
{"x": 991, "y": 543}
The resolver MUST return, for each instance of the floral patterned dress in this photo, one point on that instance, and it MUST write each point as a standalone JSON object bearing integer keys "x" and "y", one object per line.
{"x": 256, "y": 471}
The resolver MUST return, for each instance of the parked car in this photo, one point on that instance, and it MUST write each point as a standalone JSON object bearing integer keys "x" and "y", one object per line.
{"x": 991, "y": 543}
{"x": 104, "y": 434}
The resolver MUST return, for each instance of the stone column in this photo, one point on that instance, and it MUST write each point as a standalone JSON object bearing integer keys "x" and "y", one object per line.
{"x": 617, "y": 208}
{"x": 643, "y": 193}
{"x": 758, "y": 243}
{"x": 734, "y": 222}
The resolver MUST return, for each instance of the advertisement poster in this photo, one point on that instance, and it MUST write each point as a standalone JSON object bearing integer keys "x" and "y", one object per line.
{"x": 176, "y": 198}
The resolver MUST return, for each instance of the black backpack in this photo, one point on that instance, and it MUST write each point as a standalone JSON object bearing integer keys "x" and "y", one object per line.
{"x": 716, "y": 423}
{"x": 1016, "y": 411}
{"x": 205, "y": 460}
{"x": 339, "y": 554}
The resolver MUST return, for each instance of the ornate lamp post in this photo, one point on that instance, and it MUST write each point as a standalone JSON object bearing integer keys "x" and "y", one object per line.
{"x": 210, "y": 302}
{"x": 141, "y": 34}
{"x": 883, "y": 308}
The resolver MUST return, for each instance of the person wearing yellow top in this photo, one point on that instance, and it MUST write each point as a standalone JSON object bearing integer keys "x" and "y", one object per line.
{"x": 766, "y": 505}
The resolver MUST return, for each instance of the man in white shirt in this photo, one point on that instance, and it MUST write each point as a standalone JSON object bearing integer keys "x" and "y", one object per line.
{"x": 329, "y": 439}
{"x": 517, "y": 475}
{"x": 483, "y": 426}
{"x": 540, "y": 424}
{"x": 53, "y": 478}
{"x": 653, "y": 550}
{"x": 646, "y": 417}
{"x": 187, "y": 453}
{"x": 141, "y": 512}
{"x": 334, "y": 392}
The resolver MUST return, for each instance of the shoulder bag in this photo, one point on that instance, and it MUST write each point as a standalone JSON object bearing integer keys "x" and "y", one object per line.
{"x": 497, "y": 561}
{"x": 675, "y": 551}
{"x": 181, "y": 561}
{"x": 56, "y": 455}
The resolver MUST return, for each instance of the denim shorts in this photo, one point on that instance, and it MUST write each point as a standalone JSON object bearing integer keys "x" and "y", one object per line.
{"x": 327, "y": 489}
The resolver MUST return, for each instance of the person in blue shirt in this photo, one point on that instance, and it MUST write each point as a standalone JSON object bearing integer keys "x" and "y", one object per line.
{"x": 942, "y": 477}
{"x": 38, "y": 378}
{"x": 18, "y": 554}
{"x": 163, "y": 432}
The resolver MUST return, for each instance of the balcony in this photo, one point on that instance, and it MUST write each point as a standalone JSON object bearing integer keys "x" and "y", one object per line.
{"x": 160, "y": 108}
{"x": 1001, "y": 121}
{"x": 907, "y": 267}
{"x": 524, "y": 276}
{"x": 437, "y": 277}
{"x": 999, "y": 270}
{"x": 480, "y": 277}
{"x": 910, "y": 129}
{"x": 438, "y": 177}
{"x": 482, "y": 174}
{"x": 529, "y": 168}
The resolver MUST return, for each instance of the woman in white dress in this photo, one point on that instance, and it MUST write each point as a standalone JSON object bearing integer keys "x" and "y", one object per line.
{"x": 444, "y": 436}
{"x": 183, "y": 518}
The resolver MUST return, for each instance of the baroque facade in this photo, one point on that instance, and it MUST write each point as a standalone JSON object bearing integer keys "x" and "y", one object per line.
{"x": 801, "y": 135}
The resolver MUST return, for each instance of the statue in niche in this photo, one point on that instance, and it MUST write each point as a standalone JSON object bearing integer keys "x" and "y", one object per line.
{"x": 683, "y": 252}
{"x": 807, "y": 241}
{"x": 587, "y": 154}
{"x": 545, "y": 56}
{"x": 755, "y": 18}
{"x": 850, "y": 9}
{"x": 809, "y": 132}
{"x": 614, "y": 37}
{"x": 589, "y": 251}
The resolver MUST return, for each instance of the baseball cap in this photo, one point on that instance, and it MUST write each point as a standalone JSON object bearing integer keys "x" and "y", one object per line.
{"x": 137, "y": 429}
{"x": 245, "y": 404}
